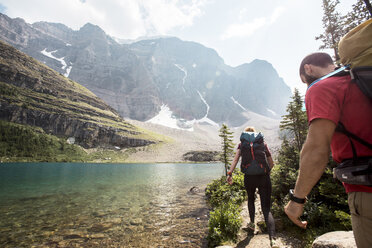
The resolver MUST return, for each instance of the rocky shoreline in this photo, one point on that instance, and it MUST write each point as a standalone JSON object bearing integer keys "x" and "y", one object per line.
{"x": 180, "y": 223}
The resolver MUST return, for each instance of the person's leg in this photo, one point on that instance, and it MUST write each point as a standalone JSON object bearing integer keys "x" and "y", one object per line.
{"x": 250, "y": 187}
{"x": 265, "y": 196}
{"x": 360, "y": 204}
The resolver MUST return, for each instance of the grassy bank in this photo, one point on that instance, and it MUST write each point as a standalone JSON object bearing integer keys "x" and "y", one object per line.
{"x": 23, "y": 143}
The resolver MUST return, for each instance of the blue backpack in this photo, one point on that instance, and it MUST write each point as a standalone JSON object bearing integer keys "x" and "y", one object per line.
{"x": 252, "y": 148}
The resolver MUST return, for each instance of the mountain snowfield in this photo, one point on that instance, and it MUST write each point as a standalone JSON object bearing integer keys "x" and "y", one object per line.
{"x": 166, "y": 118}
{"x": 202, "y": 136}
{"x": 61, "y": 60}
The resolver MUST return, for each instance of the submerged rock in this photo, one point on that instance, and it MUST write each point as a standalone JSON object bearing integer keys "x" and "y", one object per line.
{"x": 100, "y": 227}
{"x": 72, "y": 236}
{"x": 136, "y": 222}
{"x": 194, "y": 190}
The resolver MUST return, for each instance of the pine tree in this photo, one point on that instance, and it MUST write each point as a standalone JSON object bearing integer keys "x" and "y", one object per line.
{"x": 326, "y": 209}
{"x": 294, "y": 127}
{"x": 336, "y": 26}
{"x": 227, "y": 146}
{"x": 333, "y": 27}
{"x": 295, "y": 121}
{"x": 357, "y": 15}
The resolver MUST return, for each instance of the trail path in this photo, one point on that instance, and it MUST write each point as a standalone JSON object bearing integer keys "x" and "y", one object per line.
{"x": 246, "y": 238}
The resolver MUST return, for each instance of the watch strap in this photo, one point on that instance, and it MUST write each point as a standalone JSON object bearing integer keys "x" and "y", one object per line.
{"x": 292, "y": 197}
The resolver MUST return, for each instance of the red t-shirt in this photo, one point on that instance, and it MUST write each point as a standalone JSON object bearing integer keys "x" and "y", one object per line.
{"x": 337, "y": 99}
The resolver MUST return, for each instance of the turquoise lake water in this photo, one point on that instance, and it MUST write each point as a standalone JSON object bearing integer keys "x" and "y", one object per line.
{"x": 104, "y": 205}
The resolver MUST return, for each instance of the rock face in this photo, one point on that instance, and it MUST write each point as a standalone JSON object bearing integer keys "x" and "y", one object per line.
{"x": 201, "y": 156}
{"x": 33, "y": 94}
{"x": 137, "y": 79}
{"x": 338, "y": 239}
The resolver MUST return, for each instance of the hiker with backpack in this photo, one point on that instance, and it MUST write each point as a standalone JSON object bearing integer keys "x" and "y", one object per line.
{"x": 339, "y": 114}
{"x": 256, "y": 165}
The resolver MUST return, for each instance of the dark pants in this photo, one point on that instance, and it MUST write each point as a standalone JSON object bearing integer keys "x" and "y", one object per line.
{"x": 263, "y": 183}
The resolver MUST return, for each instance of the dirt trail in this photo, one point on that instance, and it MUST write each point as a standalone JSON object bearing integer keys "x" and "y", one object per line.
{"x": 247, "y": 239}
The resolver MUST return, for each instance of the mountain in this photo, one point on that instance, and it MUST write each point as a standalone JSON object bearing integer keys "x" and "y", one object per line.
{"x": 33, "y": 94}
{"x": 142, "y": 79}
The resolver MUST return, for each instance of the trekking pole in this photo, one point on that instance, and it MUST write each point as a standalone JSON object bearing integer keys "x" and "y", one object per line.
{"x": 369, "y": 6}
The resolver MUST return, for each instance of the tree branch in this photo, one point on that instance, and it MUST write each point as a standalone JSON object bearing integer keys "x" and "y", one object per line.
{"x": 369, "y": 6}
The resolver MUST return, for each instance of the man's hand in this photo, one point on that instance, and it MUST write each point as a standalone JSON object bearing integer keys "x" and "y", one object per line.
{"x": 229, "y": 180}
{"x": 294, "y": 210}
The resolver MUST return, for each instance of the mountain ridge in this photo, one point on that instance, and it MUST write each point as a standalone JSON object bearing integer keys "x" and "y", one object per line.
{"x": 136, "y": 79}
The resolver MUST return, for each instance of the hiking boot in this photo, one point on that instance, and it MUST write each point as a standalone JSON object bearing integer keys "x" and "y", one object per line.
{"x": 274, "y": 243}
{"x": 251, "y": 226}
{"x": 257, "y": 230}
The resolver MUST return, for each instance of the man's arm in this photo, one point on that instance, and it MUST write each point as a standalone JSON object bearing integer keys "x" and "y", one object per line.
{"x": 313, "y": 160}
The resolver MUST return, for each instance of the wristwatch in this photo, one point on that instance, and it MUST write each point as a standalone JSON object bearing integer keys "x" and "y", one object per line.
{"x": 296, "y": 199}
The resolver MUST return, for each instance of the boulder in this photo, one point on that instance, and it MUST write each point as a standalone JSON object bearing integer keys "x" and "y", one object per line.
{"x": 337, "y": 239}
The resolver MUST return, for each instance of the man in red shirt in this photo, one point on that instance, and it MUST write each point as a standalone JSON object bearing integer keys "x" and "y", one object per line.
{"x": 330, "y": 101}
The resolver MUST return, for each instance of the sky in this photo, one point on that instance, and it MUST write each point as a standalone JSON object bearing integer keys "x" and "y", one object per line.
{"x": 281, "y": 32}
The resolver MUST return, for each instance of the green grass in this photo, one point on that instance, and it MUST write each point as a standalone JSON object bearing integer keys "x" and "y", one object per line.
{"x": 24, "y": 143}
{"x": 32, "y": 100}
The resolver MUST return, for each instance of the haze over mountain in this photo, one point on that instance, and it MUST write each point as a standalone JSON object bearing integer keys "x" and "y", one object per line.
{"x": 185, "y": 79}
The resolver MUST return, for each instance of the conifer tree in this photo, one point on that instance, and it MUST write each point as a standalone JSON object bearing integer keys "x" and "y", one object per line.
{"x": 333, "y": 27}
{"x": 227, "y": 146}
{"x": 326, "y": 209}
{"x": 357, "y": 15}
{"x": 295, "y": 121}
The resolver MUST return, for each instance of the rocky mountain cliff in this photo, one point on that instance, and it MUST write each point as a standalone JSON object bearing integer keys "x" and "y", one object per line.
{"x": 137, "y": 79}
{"x": 33, "y": 94}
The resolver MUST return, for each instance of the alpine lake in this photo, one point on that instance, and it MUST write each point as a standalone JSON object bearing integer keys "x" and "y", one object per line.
{"x": 104, "y": 205}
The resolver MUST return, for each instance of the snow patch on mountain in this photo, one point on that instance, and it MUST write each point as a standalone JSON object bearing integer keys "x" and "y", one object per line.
{"x": 205, "y": 118}
{"x": 237, "y": 103}
{"x": 184, "y": 77}
{"x": 61, "y": 60}
{"x": 166, "y": 118}
{"x": 271, "y": 111}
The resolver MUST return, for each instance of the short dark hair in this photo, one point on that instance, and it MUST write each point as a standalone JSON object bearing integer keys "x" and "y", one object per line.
{"x": 317, "y": 59}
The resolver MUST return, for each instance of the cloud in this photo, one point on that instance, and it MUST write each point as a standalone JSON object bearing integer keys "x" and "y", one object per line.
{"x": 127, "y": 19}
{"x": 243, "y": 29}
{"x": 248, "y": 28}
{"x": 160, "y": 16}
{"x": 276, "y": 14}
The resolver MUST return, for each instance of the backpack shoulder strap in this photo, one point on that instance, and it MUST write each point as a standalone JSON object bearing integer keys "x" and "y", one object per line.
{"x": 362, "y": 76}
{"x": 341, "y": 128}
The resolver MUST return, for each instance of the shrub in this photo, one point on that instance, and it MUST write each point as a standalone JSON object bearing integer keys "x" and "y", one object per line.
{"x": 219, "y": 192}
{"x": 225, "y": 220}
{"x": 224, "y": 223}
